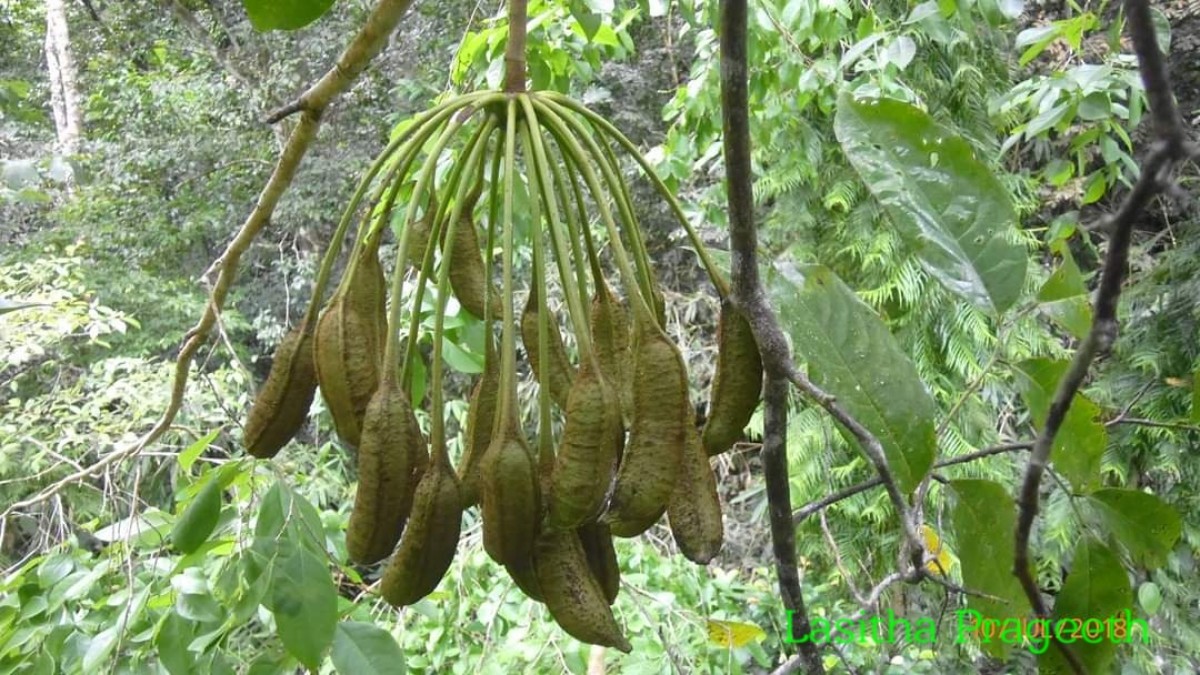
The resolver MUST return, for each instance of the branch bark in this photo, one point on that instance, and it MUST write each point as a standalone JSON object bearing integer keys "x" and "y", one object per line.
{"x": 1170, "y": 149}
{"x": 64, "y": 80}
{"x": 749, "y": 297}
{"x": 380, "y": 23}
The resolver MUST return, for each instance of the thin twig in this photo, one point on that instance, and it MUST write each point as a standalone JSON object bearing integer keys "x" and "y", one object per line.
{"x": 361, "y": 50}
{"x": 1171, "y": 148}
{"x": 812, "y": 507}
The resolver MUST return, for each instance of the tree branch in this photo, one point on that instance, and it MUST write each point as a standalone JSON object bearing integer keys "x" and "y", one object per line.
{"x": 365, "y": 45}
{"x": 743, "y": 238}
{"x": 845, "y": 493}
{"x": 1171, "y": 148}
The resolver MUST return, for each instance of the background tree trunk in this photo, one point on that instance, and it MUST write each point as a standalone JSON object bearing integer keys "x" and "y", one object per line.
{"x": 64, "y": 90}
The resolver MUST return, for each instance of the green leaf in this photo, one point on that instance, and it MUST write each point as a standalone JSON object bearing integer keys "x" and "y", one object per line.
{"x": 284, "y": 512}
{"x": 304, "y": 600}
{"x": 1081, "y": 439}
{"x": 284, "y": 14}
{"x": 1096, "y": 187}
{"x": 1149, "y": 597}
{"x": 189, "y": 455}
{"x": 200, "y": 518}
{"x": 1096, "y": 588}
{"x": 460, "y": 359}
{"x": 588, "y": 20}
{"x": 837, "y": 333}
{"x": 1065, "y": 282}
{"x": 954, "y": 212}
{"x": 1064, "y": 297}
{"x": 984, "y": 519}
{"x": 171, "y": 641}
{"x": 1145, "y": 525}
{"x": 366, "y": 649}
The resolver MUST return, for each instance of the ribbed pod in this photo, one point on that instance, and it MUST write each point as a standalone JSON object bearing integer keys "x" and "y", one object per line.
{"x": 573, "y": 596}
{"x": 348, "y": 347}
{"x": 694, "y": 512}
{"x": 589, "y": 451}
{"x": 282, "y": 404}
{"x": 650, "y": 463}
{"x": 391, "y": 459}
{"x": 429, "y": 542}
{"x": 737, "y": 382}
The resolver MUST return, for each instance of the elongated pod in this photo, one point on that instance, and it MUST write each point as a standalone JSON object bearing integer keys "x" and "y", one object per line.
{"x": 282, "y": 404}
{"x": 694, "y": 512}
{"x": 430, "y": 539}
{"x": 561, "y": 370}
{"x": 589, "y": 451}
{"x": 601, "y": 555}
{"x": 737, "y": 383}
{"x": 468, "y": 276}
{"x": 348, "y": 346}
{"x": 610, "y": 338}
{"x": 481, "y": 419}
{"x": 511, "y": 500}
{"x": 391, "y": 460}
{"x": 650, "y": 464}
{"x": 573, "y": 596}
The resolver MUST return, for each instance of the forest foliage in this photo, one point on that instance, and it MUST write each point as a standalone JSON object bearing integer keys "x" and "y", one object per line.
{"x": 927, "y": 180}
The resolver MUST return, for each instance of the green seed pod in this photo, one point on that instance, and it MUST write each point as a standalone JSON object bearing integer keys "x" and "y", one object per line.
{"x": 481, "y": 417}
{"x": 610, "y": 338}
{"x": 694, "y": 512}
{"x": 428, "y": 545}
{"x": 561, "y": 371}
{"x": 282, "y": 404}
{"x": 651, "y": 461}
{"x": 420, "y": 234}
{"x": 348, "y": 347}
{"x": 601, "y": 555}
{"x": 391, "y": 459}
{"x": 572, "y": 594}
{"x": 737, "y": 383}
{"x": 511, "y": 500}
{"x": 468, "y": 276}
{"x": 588, "y": 455}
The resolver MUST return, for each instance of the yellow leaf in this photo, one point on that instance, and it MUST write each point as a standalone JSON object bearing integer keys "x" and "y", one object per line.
{"x": 731, "y": 634}
{"x": 935, "y": 547}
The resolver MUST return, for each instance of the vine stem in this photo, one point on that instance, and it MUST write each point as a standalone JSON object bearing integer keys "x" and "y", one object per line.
{"x": 514, "y": 54}
{"x": 1172, "y": 147}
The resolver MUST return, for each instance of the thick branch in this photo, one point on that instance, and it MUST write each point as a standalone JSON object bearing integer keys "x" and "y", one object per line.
{"x": 1170, "y": 149}
{"x": 514, "y": 53}
{"x": 366, "y": 44}
{"x": 748, "y": 296}
{"x": 362, "y": 49}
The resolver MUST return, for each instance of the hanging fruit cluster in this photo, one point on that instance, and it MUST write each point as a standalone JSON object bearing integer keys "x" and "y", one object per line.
{"x": 629, "y": 450}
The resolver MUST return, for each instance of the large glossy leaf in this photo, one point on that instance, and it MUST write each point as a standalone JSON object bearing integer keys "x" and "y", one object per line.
{"x": 304, "y": 600}
{"x": 946, "y": 203}
{"x": 1097, "y": 588}
{"x": 284, "y": 14}
{"x": 984, "y": 519}
{"x": 1082, "y": 438}
{"x": 1144, "y": 524}
{"x": 285, "y": 512}
{"x": 366, "y": 649}
{"x": 852, "y": 355}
